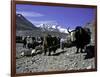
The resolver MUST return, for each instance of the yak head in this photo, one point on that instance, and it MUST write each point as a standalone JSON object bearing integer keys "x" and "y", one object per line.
{"x": 71, "y": 35}
{"x": 79, "y": 33}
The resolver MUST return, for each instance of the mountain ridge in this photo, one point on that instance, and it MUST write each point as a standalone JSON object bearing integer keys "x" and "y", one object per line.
{"x": 23, "y": 24}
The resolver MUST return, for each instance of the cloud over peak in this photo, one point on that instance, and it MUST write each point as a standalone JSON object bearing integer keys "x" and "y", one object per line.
{"x": 29, "y": 14}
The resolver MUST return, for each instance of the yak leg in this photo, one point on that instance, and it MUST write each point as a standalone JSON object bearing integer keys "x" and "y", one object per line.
{"x": 82, "y": 50}
{"x": 54, "y": 50}
{"x": 24, "y": 45}
{"x": 77, "y": 50}
{"x": 61, "y": 45}
{"x": 45, "y": 51}
{"x": 49, "y": 52}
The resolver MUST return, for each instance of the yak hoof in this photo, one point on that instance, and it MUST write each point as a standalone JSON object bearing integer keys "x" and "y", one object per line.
{"x": 82, "y": 52}
{"x": 49, "y": 54}
{"x": 77, "y": 52}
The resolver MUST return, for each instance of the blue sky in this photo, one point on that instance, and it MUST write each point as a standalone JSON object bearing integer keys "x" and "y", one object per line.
{"x": 64, "y": 16}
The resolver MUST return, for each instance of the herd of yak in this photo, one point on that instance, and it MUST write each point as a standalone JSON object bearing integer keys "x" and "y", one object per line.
{"x": 79, "y": 37}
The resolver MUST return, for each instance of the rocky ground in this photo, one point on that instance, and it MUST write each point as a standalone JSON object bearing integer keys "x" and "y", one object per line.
{"x": 62, "y": 60}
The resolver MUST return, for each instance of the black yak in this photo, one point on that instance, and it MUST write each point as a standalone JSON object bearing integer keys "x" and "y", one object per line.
{"x": 80, "y": 37}
{"x": 50, "y": 43}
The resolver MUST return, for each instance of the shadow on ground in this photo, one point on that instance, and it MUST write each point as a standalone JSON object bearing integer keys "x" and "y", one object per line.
{"x": 57, "y": 54}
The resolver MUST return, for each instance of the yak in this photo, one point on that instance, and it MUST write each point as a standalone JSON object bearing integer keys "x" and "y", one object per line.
{"x": 80, "y": 37}
{"x": 31, "y": 42}
{"x": 50, "y": 43}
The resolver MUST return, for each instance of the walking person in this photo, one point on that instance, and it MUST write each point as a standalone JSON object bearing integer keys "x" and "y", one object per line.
{"x": 62, "y": 43}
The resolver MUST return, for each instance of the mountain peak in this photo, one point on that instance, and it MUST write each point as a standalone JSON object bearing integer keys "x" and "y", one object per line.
{"x": 19, "y": 15}
{"x": 24, "y": 24}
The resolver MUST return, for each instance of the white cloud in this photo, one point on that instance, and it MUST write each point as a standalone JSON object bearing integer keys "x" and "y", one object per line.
{"x": 44, "y": 22}
{"x": 29, "y": 14}
{"x": 63, "y": 30}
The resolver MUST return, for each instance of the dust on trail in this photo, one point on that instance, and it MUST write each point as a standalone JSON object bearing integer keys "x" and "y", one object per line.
{"x": 61, "y": 61}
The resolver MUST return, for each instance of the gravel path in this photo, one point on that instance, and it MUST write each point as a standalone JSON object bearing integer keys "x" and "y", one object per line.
{"x": 62, "y": 60}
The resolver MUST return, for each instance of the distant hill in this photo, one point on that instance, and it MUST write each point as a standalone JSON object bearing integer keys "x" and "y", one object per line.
{"x": 23, "y": 24}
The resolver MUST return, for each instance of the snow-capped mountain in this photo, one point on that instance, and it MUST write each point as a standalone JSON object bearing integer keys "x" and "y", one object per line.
{"x": 52, "y": 27}
{"x": 23, "y": 24}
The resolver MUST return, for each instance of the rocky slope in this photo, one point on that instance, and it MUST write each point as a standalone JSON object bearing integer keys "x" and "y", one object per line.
{"x": 23, "y": 24}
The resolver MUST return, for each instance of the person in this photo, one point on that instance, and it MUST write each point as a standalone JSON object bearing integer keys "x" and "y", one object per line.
{"x": 28, "y": 41}
{"x": 24, "y": 41}
{"x": 62, "y": 43}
